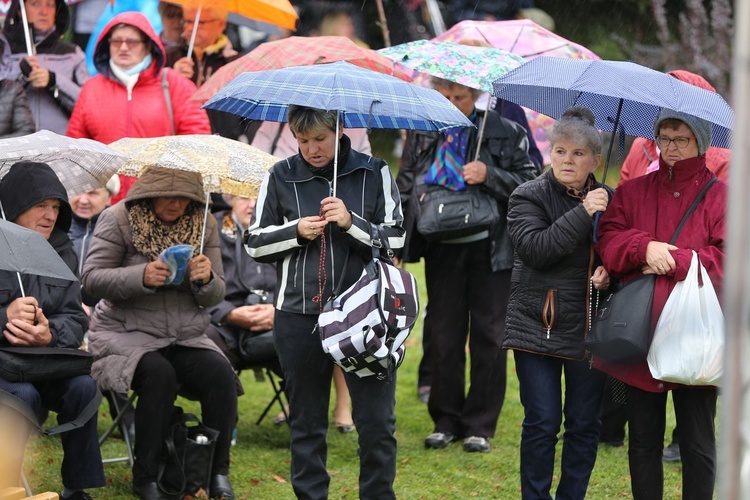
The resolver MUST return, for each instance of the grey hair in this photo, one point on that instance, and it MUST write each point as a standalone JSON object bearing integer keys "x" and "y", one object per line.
{"x": 577, "y": 123}
{"x": 302, "y": 119}
{"x": 441, "y": 83}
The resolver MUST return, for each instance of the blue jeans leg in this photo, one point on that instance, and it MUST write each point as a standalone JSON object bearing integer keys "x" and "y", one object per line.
{"x": 540, "y": 383}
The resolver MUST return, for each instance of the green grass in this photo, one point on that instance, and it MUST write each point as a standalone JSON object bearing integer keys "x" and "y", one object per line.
{"x": 260, "y": 461}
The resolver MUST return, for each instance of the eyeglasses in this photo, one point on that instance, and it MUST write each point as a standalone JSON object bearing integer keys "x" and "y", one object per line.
{"x": 129, "y": 42}
{"x": 202, "y": 22}
{"x": 680, "y": 142}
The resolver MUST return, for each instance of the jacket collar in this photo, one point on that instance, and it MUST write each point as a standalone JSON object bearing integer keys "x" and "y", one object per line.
{"x": 682, "y": 172}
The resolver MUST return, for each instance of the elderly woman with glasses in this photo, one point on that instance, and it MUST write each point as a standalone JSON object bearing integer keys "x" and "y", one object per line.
{"x": 633, "y": 240}
{"x": 133, "y": 96}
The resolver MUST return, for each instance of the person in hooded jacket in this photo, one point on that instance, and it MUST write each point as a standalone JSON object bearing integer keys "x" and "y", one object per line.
{"x": 54, "y": 73}
{"x": 148, "y": 334}
{"x": 133, "y": 95}
{"x": 49, "y": 314}
{"x": 15, "y": 114}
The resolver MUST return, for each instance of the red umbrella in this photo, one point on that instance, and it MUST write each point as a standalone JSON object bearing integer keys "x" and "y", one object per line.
{"x": 299, "y": 51}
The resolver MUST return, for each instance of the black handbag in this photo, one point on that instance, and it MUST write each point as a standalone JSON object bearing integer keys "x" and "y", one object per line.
{"x": 445, "y": 214}
{"x": 34, "y": 364}
{"x": 621, "y": 328}
{"x": 187, "y": 456}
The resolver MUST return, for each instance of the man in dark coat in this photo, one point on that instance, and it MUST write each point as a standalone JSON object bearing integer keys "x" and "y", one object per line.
{"x": 49, "y": 315}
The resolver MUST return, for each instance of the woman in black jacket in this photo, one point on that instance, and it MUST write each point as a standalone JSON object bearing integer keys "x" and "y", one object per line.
{"x": 550, "y": 221}
{"x": 318, "y": 241}
{"x": 15, "y": 114}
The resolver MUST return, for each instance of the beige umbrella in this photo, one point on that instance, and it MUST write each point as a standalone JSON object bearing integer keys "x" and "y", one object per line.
{"x": 226, "y": 166}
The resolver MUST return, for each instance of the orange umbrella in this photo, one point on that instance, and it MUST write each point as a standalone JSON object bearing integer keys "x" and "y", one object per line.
{"x": 299, "y": 51}
{"x": 277, "y": 12}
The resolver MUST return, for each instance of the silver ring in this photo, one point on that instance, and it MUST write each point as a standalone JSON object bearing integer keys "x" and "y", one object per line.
{"x": 311, "y": 227}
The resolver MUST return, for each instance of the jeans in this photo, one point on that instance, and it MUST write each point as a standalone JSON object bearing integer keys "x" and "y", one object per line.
{"x": 307, "y": 375}
{"x": 695, "y": 409}
{"x": 541, "y": 393}
{"x": 82, "y": 462}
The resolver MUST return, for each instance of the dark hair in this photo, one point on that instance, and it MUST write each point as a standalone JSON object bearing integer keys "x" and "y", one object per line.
{"x": 577, "y": 123}
{"x": 442, "y": 83}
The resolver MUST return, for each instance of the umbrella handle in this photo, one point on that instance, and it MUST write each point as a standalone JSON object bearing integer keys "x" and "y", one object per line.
{"x": 595, "y": 235}
{"x": 195, "y": 32}
{"x": 481, "y": 134}
{"x": 336, "y": 157}
{"x": 203, "y": 232}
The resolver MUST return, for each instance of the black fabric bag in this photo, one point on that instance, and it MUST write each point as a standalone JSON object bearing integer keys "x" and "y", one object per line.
{"x": 446, "y": 214}
{"x": 35, "y": 364}
{"x": 187, "y": 457}
{"x": 621, "y": 328}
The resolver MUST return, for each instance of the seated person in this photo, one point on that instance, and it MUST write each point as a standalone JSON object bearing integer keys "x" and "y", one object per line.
{"x": 241, "y": 324}
{"x": 49, "y": 314}
{"x": 149, "y": 336}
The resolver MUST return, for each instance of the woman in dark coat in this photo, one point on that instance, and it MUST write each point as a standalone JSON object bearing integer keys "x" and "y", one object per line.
{"x": 550, "y": 221}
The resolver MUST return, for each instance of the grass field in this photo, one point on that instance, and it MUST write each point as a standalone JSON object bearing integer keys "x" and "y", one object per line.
{"x": 260, "y": 460}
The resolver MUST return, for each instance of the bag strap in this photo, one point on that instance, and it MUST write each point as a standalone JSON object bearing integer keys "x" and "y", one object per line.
{"x": 21, "y": 407}
{"x": 692, "y": 208}
{"x": 167, "y": 98}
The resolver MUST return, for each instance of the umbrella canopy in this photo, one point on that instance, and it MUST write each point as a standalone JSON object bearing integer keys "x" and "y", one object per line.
{"x": 276, "y": 12}
{"x": 550, "y": 85}
{"x": 475, "y": 67}
{"x": 28, "y": 252}
{"x": 299, "y": 51}
{"x": 523, "y": 37}
{"x": 81, "y": 164}
{"x": 364, "y": 98}
{"x": 226, "y": 165}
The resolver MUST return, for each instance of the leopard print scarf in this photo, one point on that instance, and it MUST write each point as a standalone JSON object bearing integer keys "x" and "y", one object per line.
{"x": 151, "y": 236}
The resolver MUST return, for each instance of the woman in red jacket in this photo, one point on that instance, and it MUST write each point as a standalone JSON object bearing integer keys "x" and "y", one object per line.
{"x": 633, "y": 236}
{"x": 131, "y": 96}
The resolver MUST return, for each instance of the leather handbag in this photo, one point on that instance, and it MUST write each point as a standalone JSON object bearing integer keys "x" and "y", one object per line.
{"x": 621, "y": 328}
{"x": 34, "y": 364}
{"x": 445, "y": 214}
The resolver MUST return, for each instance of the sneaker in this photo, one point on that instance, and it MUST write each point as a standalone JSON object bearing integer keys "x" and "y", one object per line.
{"x": 423, "y": 393}
{"x": 438, "y": 440}
{"x": 672, "y": 453}
{"x": 475, "y": 444}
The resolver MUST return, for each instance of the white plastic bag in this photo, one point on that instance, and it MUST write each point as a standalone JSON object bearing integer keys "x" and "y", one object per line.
{"x": 688, "y": 343}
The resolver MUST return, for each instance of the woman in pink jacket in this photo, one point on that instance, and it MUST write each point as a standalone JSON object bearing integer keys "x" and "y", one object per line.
{"x": 133, "y": 95}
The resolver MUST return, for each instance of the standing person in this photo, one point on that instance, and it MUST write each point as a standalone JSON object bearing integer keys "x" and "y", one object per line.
{"x": 313, "y": 235}
{"x": 467, "y": 278}
{"x": 15, "y": 114}
{"x": 85, "y": 17}
{"x": 550, "y": 221}
{"x": 50, "y": 315}
{"x": 633, "y": 236}
{"x": 149, "y": 336}
{"x": 54, "y": 73}
{"x": 131, "y": 96}
{"x": 172, "y": 23}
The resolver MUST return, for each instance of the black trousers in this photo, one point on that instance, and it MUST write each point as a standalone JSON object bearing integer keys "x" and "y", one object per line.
{"x": 201, "y": 373}
{"x": 695, "y": 409}
{"x": 307, "y": 375}
{"x": 467, "y": 300}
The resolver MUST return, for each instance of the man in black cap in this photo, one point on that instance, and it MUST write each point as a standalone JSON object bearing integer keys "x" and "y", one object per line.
{"x": 50, "y": 315}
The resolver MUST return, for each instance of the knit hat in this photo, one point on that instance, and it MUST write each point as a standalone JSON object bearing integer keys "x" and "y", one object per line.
{"x": 701, "y": 128}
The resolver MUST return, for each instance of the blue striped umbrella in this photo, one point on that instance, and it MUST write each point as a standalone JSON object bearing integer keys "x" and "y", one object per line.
{"x": 622, "y": 93}
{"x": 364, "y": 98}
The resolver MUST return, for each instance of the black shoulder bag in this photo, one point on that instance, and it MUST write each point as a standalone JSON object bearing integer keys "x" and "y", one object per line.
{"x": 34, "y": 364}
{"x": 621, "y": 329}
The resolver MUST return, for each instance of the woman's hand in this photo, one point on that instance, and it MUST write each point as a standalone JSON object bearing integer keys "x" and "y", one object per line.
{"x": 256, "y": 318}
{"x": 155, "y": 274}
{"x": 596, "y": 201}
{"x": 200, "y": 269}
{"x": 600, "y": 278}
{"x": 309, "y": 228}
{"x": 658, "y": 259}
{"x": 475, "y": 172}
{"x": 334, "y": 210}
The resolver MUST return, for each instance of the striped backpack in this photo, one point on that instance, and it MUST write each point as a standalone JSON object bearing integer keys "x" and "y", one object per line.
{"x": 364, "y": 328}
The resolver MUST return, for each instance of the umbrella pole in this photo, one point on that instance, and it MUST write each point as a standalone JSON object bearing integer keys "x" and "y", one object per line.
{"x": 336, "y": 157}
{"x": 18, "y": 275}
{"x": 612, "y": 141}
{"x": 205, "y": 219}
{"x": 195, "y": 32}
{"x": 383, "y": 24}
{"x": 481, "y": 133}
{"x": 26, "y": 31}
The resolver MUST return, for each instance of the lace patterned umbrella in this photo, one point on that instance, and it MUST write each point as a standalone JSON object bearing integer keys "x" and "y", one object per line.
{"x": 81, "y": 164}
